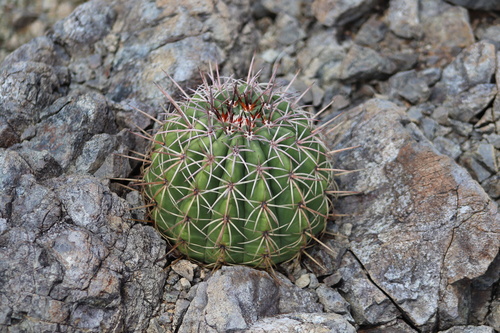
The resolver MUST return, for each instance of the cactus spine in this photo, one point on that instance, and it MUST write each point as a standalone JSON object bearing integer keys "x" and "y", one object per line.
{"x": 238, "y": 174}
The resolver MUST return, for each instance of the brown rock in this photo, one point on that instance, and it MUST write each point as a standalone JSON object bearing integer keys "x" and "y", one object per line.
{"x": 422, "y": 228}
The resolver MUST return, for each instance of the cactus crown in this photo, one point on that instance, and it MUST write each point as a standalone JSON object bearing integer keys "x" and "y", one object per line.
{"x": 238, "y": 174}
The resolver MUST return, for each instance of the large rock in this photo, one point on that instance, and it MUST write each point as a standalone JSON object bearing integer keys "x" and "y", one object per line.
{"x": 70, "y": 260}
{"x": 235, "y": 298}
{"x": 422, "y": 228}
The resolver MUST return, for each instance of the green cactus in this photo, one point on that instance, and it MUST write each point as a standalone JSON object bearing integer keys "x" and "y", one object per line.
{"x": 238, "y": 175}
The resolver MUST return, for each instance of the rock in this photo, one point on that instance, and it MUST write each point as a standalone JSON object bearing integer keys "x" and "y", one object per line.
{"x": 469, "y": 329}
{"x": 332, "y": 301}
{"x": 422, "y": 238}
{"x": 322, "y": 56}
{"x": 363, "y": 63}
{"x": 302, "y": 322}
{"x": 303, "y": 281}
{"x": 490, "y": 34}
{"x": 476, "y": 169}
{"x": 416, "y": 203}
{"x": 474, "y": 65}
{"x": 24, "y": 21}
{"x": 465, "y": 106}
{"x": 439, "y": 21}
{"x": 477, "y": 5}
{"x": 236, "y": 297}
{"x": 396, "y": 326}
{"x": 409, "y": 86}
{"x": 27, "y": 87}
{"x": 42, "y": 163}
{"x": 371, "y": 32}
{"x": 492, "y": 186}
{"x": 485, "y": 153}
{"x": 185, "y": 269}
{"x": 75, "y": 258}
{"x": 338, "y": 12}
{"x": 430, "y": 75}
{"x": 403, "y": 17}
{"x": 369, "y": 304}
{"x": 287, "y": 30}
{"x": 64, "y": 133}
{"x": 493, "y": 318}
{"x": 333, "y": 279}
{"x": 326, "y": 260}
{"x": 293, "y": 8}
{"x": 447, "y": 147}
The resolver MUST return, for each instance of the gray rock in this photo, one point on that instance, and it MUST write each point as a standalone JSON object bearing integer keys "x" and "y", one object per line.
{"x": 490, "y": 34}
{"x": 477, "y": 4}
{"x": 338, "y": 12}
{"x": 288, "y": 30}
{"x": 64, "y": 133}
{"x": 369, "y": 304}
{"x": 236, "y": 297}
{"x": 430, "y": 127}
{"x": 26, "y": 88}
{"x": 302, "y": 322}
{"x": 66, "y": 241}
{"x": 438, "y": 20}
{"x": 403, "y": 17}
{"x": 41, "y": 162}
{"x": 332, "y": 301}
{"x": 474, "y": 65}
{"x": 492, "y": 186}
{"x": 396, "y": 326}
{"x": 485, "y": 153}
{"x": 294, "y": 8}
{"x": 493, "y": 318}
{"x": 430, "y": 75}
{"x": 447, "y": 147}
{"x": 88, "y": 24}
{"x": 371, "y": 32}
{"x": 466, "y": 105}
{"x": 476, "y": 169}
{"x": 409, "y": 86}
{"x": 469, "y": 329}
{"x": 326, "y": 260}
{"x": 416, "y": 226}
{"x": 461, "y": 128}
{"x": 362, "y": 63}
{"x": 322, "y": 56}
{"x": 332, "y": 279}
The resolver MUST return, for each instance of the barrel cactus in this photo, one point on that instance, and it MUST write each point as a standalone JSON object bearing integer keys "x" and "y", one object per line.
{"x": 238, "y": 174}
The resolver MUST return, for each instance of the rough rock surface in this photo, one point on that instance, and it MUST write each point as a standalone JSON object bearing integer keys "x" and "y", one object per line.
{"x": 234, "y": 298}
{"x": 417, "y": 203}
{"x": 416, "y": 250}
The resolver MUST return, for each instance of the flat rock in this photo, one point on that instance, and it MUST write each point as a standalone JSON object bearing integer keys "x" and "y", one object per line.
{"x": 422, "y": 228}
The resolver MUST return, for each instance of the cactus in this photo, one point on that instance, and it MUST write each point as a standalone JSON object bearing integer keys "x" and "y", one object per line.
{"x": 238, "y": 174}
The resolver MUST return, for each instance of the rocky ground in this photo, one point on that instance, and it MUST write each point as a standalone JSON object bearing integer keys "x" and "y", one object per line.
{"x": 415, "y": 251}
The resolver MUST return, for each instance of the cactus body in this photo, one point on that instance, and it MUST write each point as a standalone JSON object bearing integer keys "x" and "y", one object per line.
{"x": 238, "y": 175}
